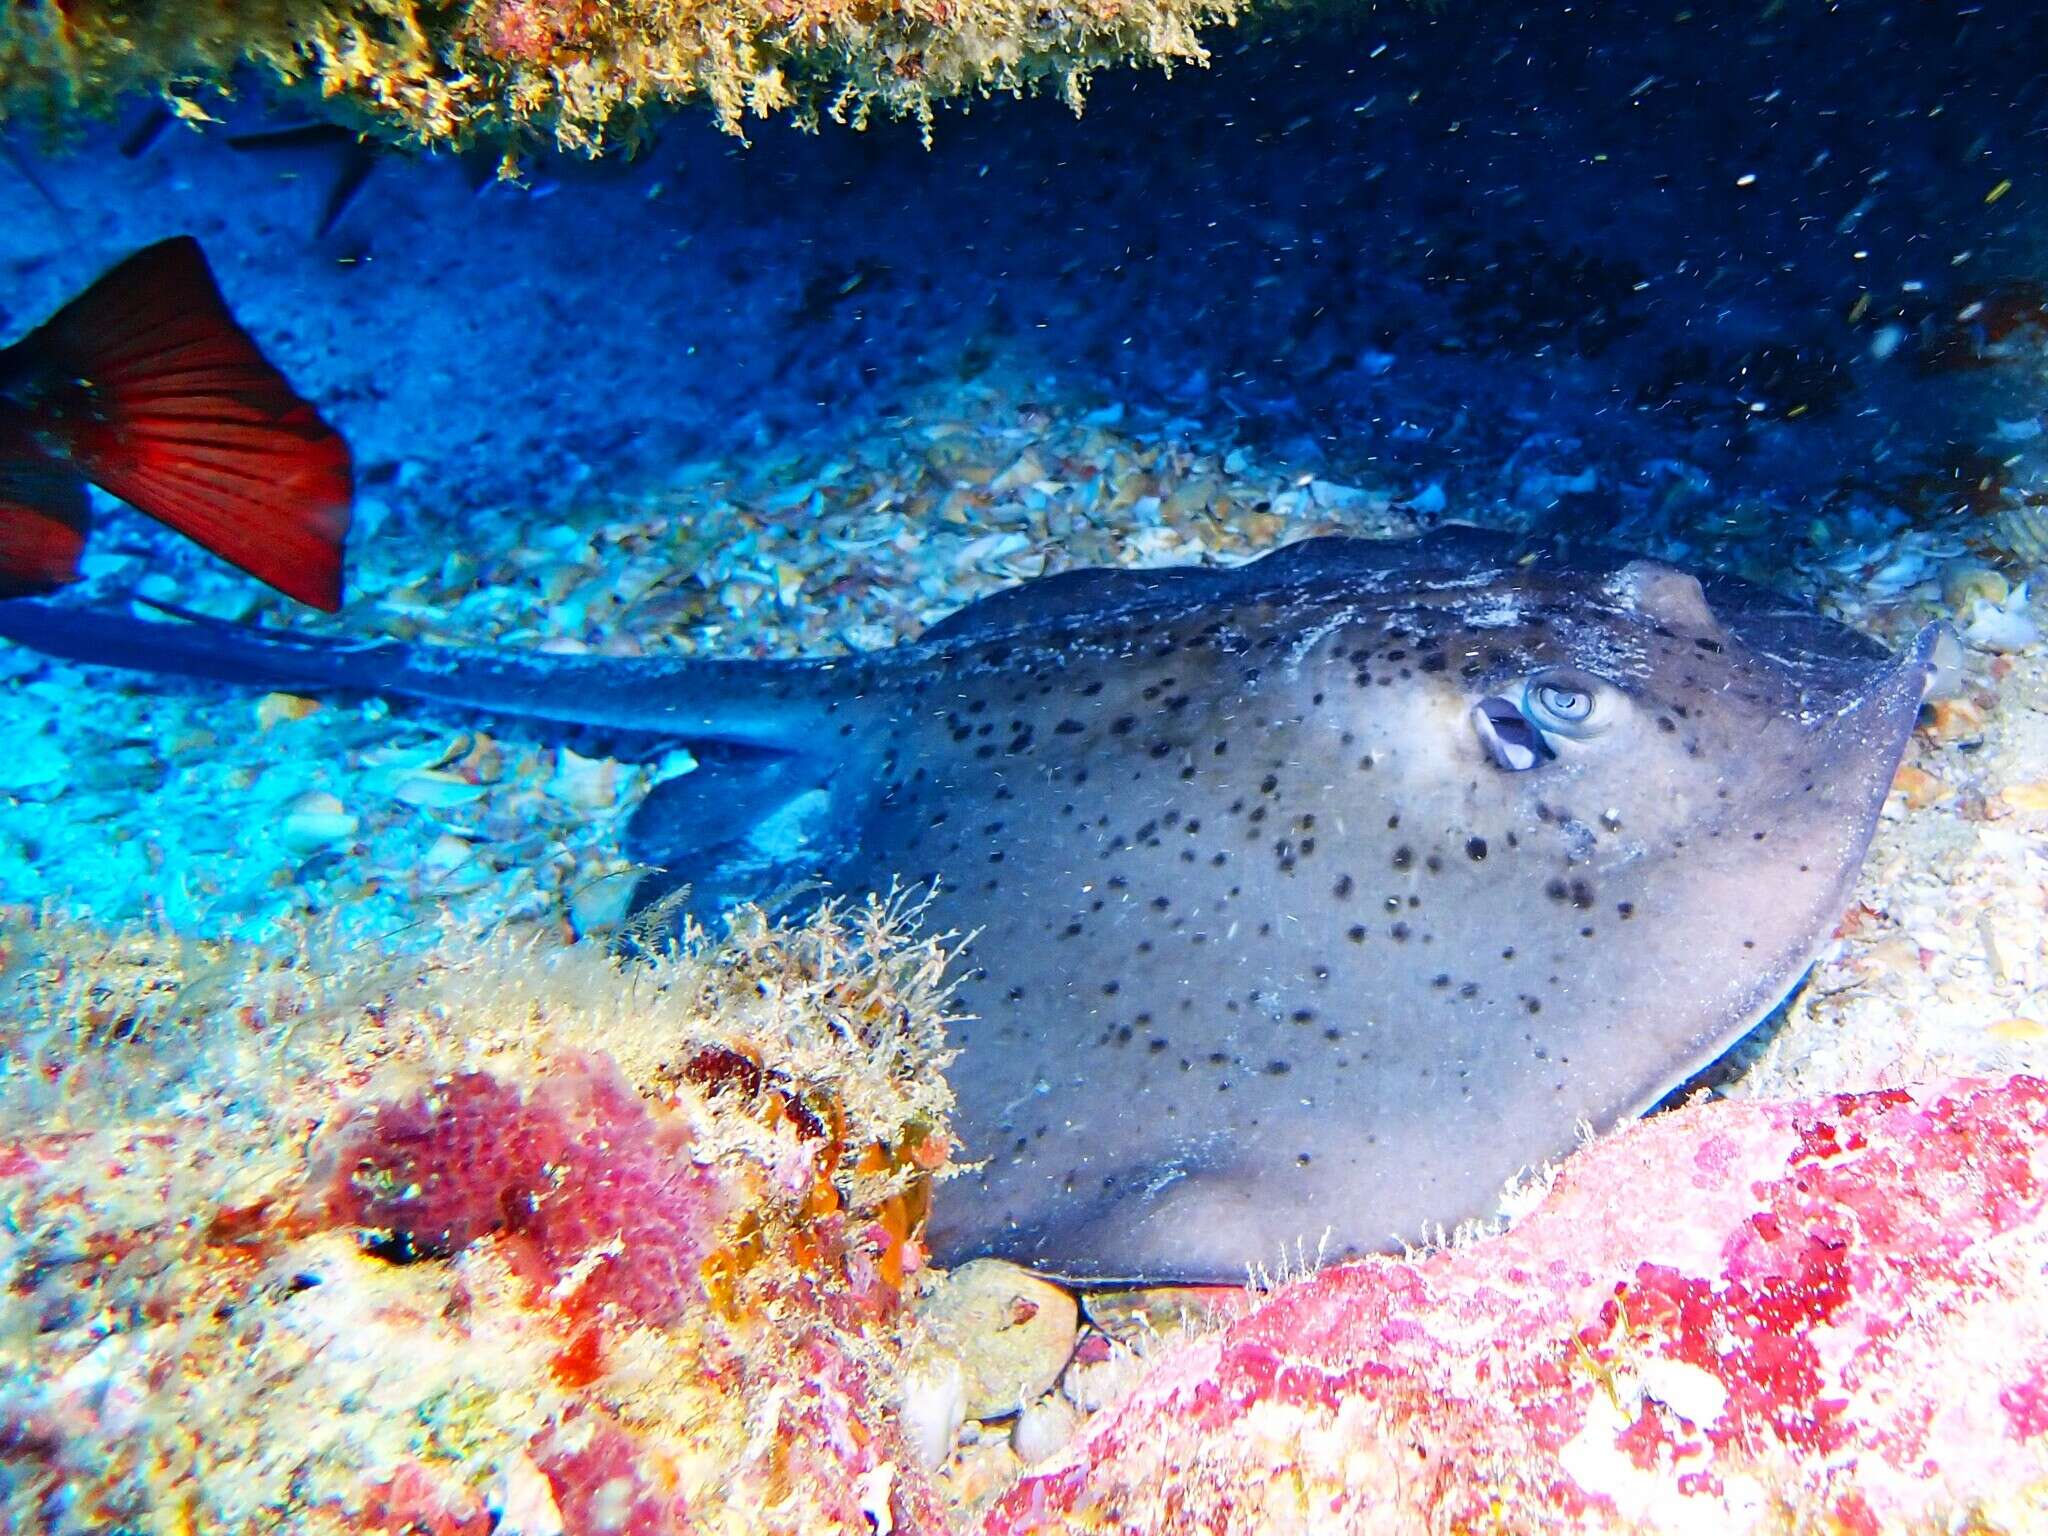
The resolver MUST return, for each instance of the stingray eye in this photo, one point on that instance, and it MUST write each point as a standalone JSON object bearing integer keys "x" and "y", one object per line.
{"x": 1567, "y": 705}
{"x": 1561, "y": 703}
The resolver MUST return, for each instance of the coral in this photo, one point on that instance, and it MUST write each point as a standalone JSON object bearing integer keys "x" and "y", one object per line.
{"x": 1826, "y": 1315}
{"x": 322, "y": 1242}
{"x": 603, "y": 1185}
{"x": 600, "y": 1481}
{"x": 585, "y": 71}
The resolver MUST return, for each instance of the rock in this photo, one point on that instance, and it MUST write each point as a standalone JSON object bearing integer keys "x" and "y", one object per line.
{"x": 1921, "y": 788}
{"x": 1837, "y": 1306}
{"x": 276, "y": 708}
{"x": 1009, "y": 1331}
{"x": 1043, "y": 1429}
{"x": 521, "y": 1501}
{"x": 933, "y": 1406}
{"x": 588, "y": 783}
{"x": 1100, "y": 1372}
{"x": 313, "y": 822}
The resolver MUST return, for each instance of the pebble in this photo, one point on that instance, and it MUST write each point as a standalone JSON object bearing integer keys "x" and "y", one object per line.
{"x": 932, "y": 1404}
{"x": 1043, "y": 1429}
{"x": 2029, "y": 798}
{"x": 522, "y": 1501}
{"x": 429, "y": 789}
{"x": 603, "y": 902}
{"x": 315, "y": 821}
{"x": 589, "y": 783}
{"x": 1009, "y": 1332}
{"x": 1951, "y": 720}
{"x": 1921, "y": 788}
{"x": 1102, "y": 1371}
{"x": 1965, "y": 585}
{"x": 1164, "y": 1309}
{"x": 275, "y": 708}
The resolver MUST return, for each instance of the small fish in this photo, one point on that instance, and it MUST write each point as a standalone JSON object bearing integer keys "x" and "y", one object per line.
{"x": 145, "y": 386}
{"x": 1321, "y": 894}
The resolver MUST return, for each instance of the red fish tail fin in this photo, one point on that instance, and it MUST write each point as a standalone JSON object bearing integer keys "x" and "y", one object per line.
{"x": 43, "y": 520}
{"x": 149, "y": 388}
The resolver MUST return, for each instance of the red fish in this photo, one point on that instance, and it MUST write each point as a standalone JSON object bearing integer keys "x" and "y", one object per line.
{"x": 145, "y": 386}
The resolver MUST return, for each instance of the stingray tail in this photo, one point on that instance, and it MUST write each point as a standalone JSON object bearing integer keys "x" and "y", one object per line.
{"x": 781, "y": 705}
{"x": 177, "y": 643}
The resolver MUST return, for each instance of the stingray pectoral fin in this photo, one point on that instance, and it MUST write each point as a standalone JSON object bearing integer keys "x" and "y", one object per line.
{"x": 737, "y": 827}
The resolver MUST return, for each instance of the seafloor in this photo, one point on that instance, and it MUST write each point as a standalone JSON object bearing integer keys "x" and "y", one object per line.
{"x": 1765, "y": 291}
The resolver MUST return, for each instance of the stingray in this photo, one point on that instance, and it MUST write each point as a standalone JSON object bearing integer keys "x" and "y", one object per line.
{"x": 1305, "y": 901}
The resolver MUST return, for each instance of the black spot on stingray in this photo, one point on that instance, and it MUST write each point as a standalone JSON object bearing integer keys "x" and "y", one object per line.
{"x": 1355, "y": 933}
{"x": 1277, "y": 1068}
{"x": 1665, "y": 724}
{"x": 1069, "y": 728}
{"x": 1626, "y": 909}
{"x": 1475, "y": 849}
{"x": 1404, "y": 856}
{"x": 1400, "y": 932}
{"x": 1343, "y": 888}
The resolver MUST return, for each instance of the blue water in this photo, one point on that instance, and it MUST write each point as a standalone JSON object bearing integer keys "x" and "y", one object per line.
{"x": 1443, "y": 248}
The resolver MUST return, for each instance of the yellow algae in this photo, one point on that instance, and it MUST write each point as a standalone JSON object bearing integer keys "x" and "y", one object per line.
{"x": 587, "y": 74}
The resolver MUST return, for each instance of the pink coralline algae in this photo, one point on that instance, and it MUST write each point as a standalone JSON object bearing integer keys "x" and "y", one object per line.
{"x": 580, "y": 1165}
{"x": 1821, "y": 1316}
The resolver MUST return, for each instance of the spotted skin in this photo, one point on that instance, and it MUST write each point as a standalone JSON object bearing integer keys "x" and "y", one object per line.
{"x": 1269, "y": 951}
{"x": 1265, "y": 946}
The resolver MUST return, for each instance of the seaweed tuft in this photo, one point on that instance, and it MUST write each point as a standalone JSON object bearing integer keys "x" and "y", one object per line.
{"x": 586, "y": 74}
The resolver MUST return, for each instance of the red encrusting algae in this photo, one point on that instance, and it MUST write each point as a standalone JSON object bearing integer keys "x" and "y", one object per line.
{"x": 1846, "y": 1316}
